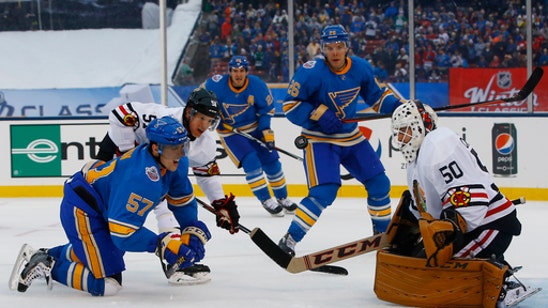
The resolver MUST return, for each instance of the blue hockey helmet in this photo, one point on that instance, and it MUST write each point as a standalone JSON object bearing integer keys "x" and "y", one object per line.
{"x": 166, "y": 131}
{"x": 334, "y": 34}
{"x": 237, "y": 62}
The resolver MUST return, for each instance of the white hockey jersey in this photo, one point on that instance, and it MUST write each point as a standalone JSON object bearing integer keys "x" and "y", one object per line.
{"x": 451, "y": 174}
{"x": 127, "y": 129}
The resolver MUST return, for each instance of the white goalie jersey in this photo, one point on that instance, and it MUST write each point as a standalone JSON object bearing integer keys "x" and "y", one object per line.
{"x": 451, "y": 174}
{"x": 127, "y": 129}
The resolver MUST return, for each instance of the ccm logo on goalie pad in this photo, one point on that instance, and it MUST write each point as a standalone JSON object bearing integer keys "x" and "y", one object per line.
{"x": 325, "y": 257}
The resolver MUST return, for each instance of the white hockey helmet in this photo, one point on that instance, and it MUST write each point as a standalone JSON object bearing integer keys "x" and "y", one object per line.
{"x": 411, "y": 121}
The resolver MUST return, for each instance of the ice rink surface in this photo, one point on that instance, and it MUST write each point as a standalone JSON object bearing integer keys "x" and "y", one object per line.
{"x": 242, "y": 276}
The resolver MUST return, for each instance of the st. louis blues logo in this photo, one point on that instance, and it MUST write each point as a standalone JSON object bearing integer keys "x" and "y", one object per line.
{"x": 343, "y": 99}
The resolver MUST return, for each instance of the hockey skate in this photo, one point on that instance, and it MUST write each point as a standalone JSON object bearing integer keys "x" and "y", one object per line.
{"x": 288, "y": 205}
{"x": 514, "y": 293}
{"x": 273, "y": 207}
{"x": 287, "y": 244}
{"x": 192, "y": 275}
{"x": 31, "y": 264}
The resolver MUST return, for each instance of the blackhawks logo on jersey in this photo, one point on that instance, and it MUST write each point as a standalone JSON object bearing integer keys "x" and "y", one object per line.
{"x": 459, "y": 196}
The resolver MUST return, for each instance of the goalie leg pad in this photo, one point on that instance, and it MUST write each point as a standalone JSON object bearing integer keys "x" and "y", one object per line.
{"x": 408, "y": 281}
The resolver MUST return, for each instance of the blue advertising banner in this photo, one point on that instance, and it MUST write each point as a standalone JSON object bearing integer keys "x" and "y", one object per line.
{"x": 77, "y": 102}
{"x": 55, "y": 102}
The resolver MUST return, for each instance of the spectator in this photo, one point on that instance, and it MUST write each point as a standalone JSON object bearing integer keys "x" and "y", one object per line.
{"x": 313, "y": 49}
{"x": 495, "y": 62}
{"x": 226, "y": 29}
{"x": 543, "y": 59}
{"x": 428, "y": 58}
{"x": 400, "y": 74}
{"x": 380, "y": 72}
{"x": 185, "y": 76}
{"x": 403, "y": 58}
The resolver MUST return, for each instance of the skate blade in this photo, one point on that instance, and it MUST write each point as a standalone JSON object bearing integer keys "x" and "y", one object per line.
{"x": 180, "y": 279}
{"x": 24, "y": 255}
{"x": 530, "y": 292}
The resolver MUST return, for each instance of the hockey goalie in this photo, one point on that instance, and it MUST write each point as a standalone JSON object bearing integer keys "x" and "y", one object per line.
{"x": 451, "y": 229}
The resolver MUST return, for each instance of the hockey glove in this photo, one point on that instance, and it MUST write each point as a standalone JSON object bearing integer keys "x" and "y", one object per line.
{"x": 268, "y": 138}
{"x": 327, "y": 119}
{"x": 195, "y": 236}
{"x": 227, "y": 214}
{"x": 173, "y": 251}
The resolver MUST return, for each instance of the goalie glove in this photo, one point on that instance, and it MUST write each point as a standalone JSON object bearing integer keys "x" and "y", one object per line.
{"x": 441, "y": 237}
{"x": 227, "y": 214}
{"x": 195, "y": 236}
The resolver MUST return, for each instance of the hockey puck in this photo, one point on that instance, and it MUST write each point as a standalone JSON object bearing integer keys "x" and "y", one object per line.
{"x": 301, "y": 142}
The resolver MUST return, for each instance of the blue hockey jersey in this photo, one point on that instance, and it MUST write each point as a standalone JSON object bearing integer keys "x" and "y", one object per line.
{"x": 251, "y": 106}
{"x": 130, "y": 186}
{"x": 314, "y": 83}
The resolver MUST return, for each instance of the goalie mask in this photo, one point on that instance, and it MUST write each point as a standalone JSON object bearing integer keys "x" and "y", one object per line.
{"x": 410, "y": 124}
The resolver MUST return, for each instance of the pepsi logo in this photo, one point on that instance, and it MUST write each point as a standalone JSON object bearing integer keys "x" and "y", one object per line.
{"x": 374, "y": 140}
{"x": 504, "y": 143}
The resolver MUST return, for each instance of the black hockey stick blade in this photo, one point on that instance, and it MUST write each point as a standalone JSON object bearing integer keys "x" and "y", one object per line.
{"x": 522, "y": 94}
{"x": 331, "y": 269}
{"x": 274, "y": 252}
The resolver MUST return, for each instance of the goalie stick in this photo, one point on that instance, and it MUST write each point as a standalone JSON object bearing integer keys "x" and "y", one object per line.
{"x": 529, "y": 86}
{"x": 273, "y": 251}
{"x": 320, "y": 259}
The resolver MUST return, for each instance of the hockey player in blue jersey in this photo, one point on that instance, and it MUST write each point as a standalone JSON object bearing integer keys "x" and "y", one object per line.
{"x": 320, "y": 95}
{"x": 247, "y": 106}
{"x": 103, "y": 211}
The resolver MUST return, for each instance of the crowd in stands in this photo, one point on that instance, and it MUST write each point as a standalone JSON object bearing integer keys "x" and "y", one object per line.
{"x": 447, "y": 34}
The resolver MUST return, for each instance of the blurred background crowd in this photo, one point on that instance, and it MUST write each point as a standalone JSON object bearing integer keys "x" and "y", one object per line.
{"x": 447, "y": 34}
{"x": 463, "y": 33}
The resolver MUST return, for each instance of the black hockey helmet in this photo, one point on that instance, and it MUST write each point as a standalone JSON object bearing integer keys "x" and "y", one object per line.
{"x": 204, "y": 101}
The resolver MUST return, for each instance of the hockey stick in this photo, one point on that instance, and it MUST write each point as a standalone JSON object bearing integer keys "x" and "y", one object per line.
{"x": 344, "y": 251}
{"x": 273, "y": 251}
{"x": 261, "y": 143}
{"x": 529, "y": 86}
